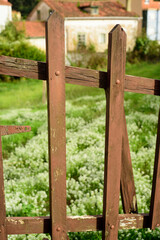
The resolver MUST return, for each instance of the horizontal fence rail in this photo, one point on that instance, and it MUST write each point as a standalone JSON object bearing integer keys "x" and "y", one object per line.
{"x": 29, "y": 225}
{"x": 80, "y": 76}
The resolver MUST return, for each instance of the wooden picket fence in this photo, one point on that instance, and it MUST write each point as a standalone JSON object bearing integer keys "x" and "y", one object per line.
{"x": 118, "y": 173}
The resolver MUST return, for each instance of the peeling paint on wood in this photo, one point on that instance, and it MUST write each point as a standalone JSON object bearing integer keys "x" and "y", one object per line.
{"x": 128, "y": 223}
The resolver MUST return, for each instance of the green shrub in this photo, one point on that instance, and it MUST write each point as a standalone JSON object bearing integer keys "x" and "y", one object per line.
{"x": 88, "y": 59}
{"x": 20, "y": 49}
{"x": 97, "y": 61}
{"x": 144, "y": 50}
{"x": 13, "y": 44}
{"x": 91, "y": 48}
{"x": 10, "y": 33}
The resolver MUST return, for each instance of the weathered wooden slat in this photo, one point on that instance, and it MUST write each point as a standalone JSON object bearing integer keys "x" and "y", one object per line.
{"x": 22, "y": 68}
{"x": 155, "y": 196}
{"x": 79, "y": 76}
{"x": 133, "y": 221}
{"x": 84, "y": 223}
{"x": 3, "y": 233}
{"x": 114, "y": 126}
{"x": 8, "y": 130}
{"x": 128, "y": 192}
{"x": 142, "y": 85}
{"x": 56, "y": 124}
{"x": 29, "y": 225}
{"x": 86, "y": 77}
{"x": 38, "y": 70}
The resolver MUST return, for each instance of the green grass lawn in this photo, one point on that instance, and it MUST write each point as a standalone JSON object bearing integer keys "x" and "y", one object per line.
{"x": 26, "y": 156}
{"x": 144, "y": 69}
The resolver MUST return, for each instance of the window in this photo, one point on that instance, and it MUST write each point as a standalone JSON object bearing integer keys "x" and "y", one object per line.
{"x": 94, "y": 10}
{"x": 102, "y": 38}
{"x": 81, "y": 40}
{"x": 38, "y": 15}
{"x": 50, "y": 11}
{"x": 146, "y": 1}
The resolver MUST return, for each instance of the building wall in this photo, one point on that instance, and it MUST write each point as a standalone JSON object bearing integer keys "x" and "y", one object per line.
{"x": 136, "y": 6}
{"x": 153, "y": 24}
{"x": 151, "y": 18}
{"x": 150, "y": 5}
{"x": 94, "y": 28}
{"x": 44, "y": 11}
{"x": 38, "y": 42}
{"x": 5, "y": 15}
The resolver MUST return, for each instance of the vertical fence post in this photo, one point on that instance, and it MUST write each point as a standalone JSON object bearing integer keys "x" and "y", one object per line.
{"x": 155, "y": 196}
{"x": 3, "y": 234}
{"x": 114, "y": 126}
{"x": 56, "y": 124}
{"x": 128, "y": 192}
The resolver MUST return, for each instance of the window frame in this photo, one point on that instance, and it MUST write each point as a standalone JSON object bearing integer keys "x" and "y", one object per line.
{"x": 81, "y": 42}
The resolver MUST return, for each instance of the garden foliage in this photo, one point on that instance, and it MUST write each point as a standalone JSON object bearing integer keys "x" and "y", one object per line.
{"x": 144, "y": 50}
{"x": 26, "y": 169}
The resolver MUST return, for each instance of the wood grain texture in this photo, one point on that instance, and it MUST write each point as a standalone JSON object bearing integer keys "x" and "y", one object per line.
{"x": 128, "y": 192}
{"x": 56, "y": 125}
{"x": 3, "y": 233}
{"x": 114, "y": 126}
{"x": 142, "y": 85}
{"x": 155, "y": 196}
{"x": 79, "y": 76}
{"x": 30, "y": 225}
{"x": 22, "y": 68}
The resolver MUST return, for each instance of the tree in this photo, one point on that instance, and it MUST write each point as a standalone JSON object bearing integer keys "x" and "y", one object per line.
{"x": 23, "y": 6}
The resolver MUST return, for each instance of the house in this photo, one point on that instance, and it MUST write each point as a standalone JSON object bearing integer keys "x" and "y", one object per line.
{"x": 34, "y": 31}
{"x": 151, "y": 18}
{"x": 5, "y": 13}
{"x": 89, "y": 22}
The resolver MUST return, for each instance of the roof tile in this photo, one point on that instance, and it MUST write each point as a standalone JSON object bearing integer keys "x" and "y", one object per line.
{"x": 4, "y": 2}
{"x": 151, "y": 5}
{"x": 74, "y": 9}
{"x": 32, "y": 29}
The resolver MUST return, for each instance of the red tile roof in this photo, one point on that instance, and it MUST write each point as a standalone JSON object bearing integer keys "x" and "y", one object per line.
{"x": 74, "y": 9}
{"x": 32, "y": 29}
{"x": 151, "y": 5}
{"x": 5, "y": 2}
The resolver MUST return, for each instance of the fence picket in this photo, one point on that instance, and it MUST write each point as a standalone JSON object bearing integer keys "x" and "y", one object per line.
{"x": 56, "y": 125}
{"x": 114, "y": 125}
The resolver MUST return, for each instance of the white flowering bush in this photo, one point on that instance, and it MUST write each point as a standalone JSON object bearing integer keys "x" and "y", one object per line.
{"x": 26, "y": 166}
